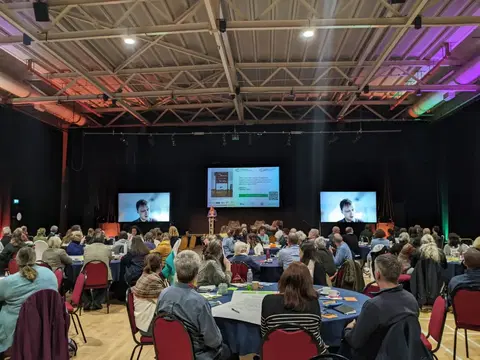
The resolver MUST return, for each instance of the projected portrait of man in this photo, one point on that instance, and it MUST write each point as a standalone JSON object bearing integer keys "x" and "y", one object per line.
{"x": 347, "y": 207}
{"x": 143, "y": 211}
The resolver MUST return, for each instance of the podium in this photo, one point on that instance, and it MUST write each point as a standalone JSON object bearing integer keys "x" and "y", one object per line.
{"x": 212, "y": 216}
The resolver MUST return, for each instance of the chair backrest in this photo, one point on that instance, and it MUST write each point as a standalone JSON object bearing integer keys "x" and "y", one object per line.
{"x": 193, "y": 242}
{"x": 239, "y": 272}
{"x": 184, "y": 243}
{"x": 329, "y": 356}
{"x": 171, "y": 338}
{"x": 438, "y": 318}
{"x": 404, "y": 278}
{"x": 12, "y": 266}
{"x": 59, "y": 275}
{"x": 43, "y": 264}
{"x": 465, "y": 302}
{"x": 277, "y": 344}
{"x": 96, "y": 275}
{"x": 374, "y": 256}
{"x": 370, "y": 289}
{"x": 467, "y": 241}
{"x": 40, "y": 247}
{"x": 78, "y": 289}
{"x": 131, "y": 312}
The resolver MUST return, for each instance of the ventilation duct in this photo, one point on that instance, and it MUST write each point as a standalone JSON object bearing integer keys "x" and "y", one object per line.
{"x": 465, "y": 75}
{"x": 23, "y": 90}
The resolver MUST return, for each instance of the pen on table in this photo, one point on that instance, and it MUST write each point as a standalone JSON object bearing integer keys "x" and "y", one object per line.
{"x": 238, "y": 312}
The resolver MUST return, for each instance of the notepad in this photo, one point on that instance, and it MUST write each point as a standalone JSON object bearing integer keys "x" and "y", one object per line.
{"x": 350, "y": 298}
{"x": 232, "y": 288}
{"x": 346, "y": 310}
{"x": 329, "y": 316}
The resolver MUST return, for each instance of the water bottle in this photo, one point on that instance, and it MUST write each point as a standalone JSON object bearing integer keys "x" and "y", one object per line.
{"x": 249, "y": 279}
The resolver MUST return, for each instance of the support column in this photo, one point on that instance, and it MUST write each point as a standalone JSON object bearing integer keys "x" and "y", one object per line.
{"x": 64, "y": 184}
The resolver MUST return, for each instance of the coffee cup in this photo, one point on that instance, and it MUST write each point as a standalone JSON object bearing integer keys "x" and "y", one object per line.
{"x": 333, "y": 293}
{"x": 255, "y": 285}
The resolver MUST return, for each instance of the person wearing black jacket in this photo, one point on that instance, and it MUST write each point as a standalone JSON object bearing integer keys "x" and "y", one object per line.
{"x": 325, "y": 256}
{"x": 15, "y": 244}
{"x": 134, "y": 260}
{"x": 366, "y": 234}
{"x": 310, "y": 257}
{"x": 7, "y": 236}
{"x": 363, "y": 337}
{"x": 352, "y": 241}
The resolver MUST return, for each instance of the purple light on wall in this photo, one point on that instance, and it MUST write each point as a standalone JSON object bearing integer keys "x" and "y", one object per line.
{"x": 469, "y": 75}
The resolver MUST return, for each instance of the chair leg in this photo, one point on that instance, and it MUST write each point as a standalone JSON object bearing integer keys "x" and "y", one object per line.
{"x": 81, "y": 329}
{"x": 108, "y": 303}
{"x": 133, "y": 352}
{"x": 455, "y": 344}
{"x": 74, "y": 324}
{"x": 140, "y": 352}
{"x": 466, "y": 342}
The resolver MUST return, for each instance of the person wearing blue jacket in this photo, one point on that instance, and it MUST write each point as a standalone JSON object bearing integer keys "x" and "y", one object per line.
{"x": 76, "y": 246}
{"x": 241, "y": 250}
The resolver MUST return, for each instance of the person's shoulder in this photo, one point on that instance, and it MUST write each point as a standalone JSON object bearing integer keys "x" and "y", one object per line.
{"x": 272, "y": 299}
{"x": 342, "y": 221}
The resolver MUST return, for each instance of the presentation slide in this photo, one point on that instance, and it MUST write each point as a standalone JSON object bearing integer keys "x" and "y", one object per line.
{"x": 143, "y": 207}
{"x": 348, "y": 206}
{"x": 243, "y": 187}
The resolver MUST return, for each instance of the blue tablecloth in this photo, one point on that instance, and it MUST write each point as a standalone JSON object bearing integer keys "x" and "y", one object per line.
{"x": 273, "y": 251}
{"x": 364, "y": 250}
{"x": 77, "y": 267}
{"x": 454, "y": 268}
{"x": 269, "y": 272}
{"x": 245, "y": 338}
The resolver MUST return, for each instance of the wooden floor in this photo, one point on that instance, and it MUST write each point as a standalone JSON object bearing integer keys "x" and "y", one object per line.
{"x": 109, "y": 337}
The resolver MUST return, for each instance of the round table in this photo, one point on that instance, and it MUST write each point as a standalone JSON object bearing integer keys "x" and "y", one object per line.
{"x": 273, "y": 251}
{"x": 245, "y": 338}
{"x": 76, "y": 268}
{"x": 454, "y": 268}
{"x": 364, "y": 251}
{"x": 269, "y": 272}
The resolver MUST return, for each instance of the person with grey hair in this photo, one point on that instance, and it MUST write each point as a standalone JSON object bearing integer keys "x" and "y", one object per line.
{"x": 291, "y": 253}
{"x": 53, "y": 232}
{"x": 54, "y": 255}
{"x": 343, "y": 252}
{"x": 241, "y": 256}
{"x": 183, "y": 302}
{"x": 364, "y": 336}
{"x": 7, "y": 236}
{"x": 313, "y": 234}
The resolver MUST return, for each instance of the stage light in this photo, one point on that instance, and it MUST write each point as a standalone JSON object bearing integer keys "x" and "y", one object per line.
{"x": 123, "y": 140}
{"x": 418, "y": 92}
{"x": 417, "y": 23}
{"x": 105, "y": 97}
{"x": 222, "y": 25}
{"x": 26, "y": 40}
{"x": 129, "y": 40}
{"x": 393, "y": 2}
{"x": 224, "y": 140}
{"x": 307, "y": 34}
{"x": 40, "y": 10}
{"x": 173, "y": 141}
{"x": 114, "y": 102}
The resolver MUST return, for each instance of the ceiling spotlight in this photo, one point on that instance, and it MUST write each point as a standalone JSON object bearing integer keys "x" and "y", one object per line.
{"x": 308, "y": 33}
{"x": 123, "y": 140}
{"x": 129, "y": 40}
{"x": 418, "y": 92}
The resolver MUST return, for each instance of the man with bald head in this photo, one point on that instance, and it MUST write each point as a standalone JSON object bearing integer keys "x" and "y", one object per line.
{"x": 343, "y": 252}
{"x": 471, "y": 277}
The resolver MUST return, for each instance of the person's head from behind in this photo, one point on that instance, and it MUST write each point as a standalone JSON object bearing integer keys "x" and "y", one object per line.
{"x": 54, "y": 242}
{"x": 149, "y": 237}
{"x": 453, "y": 240}
{"x": 387, "y": 270}
{"x": 292, "y": 239}
{"x": 403, "y": 230}
{"x": 261, "y": 231}
{"x": 296, "y": 286}
{"x": 24, "y": 229}
{"x": 166, "y": 237}
{"x": 335, "y": 230}
{"x": 98, "y": 238}
{"x": 123, "y": 235}
{"x": 471, "y": 258}
{"x": 153, "y": 263}
{"x": 187, "y": 264}
{"x": 426, "y": 231}
{"x": 367, "y": 227}
{"x": 320, "y": 243}
{"x": 90, "y": 232}
{"x": 253, "y": 240}
{"x": 240, "y": 248}
{"x": 427, "y": 239}
{"x": 214, "y": 251}
{"x": 17, "y": 237}
{"x": 436, "y": 229}
{"x": 337, "y": 239}
{"x": 54, "y": 229}
{"x": 412, "y": 232}
{"x": 308, "y": 252}
{"x": 313, "y": 234}
{"x": 143, "y": 210}
{"x": 349, "y": 230}
{"x": 173, "y": 231}
{"x": 76, "y": 236}
{"x": 76, "y": 228}
{"x": 135, "y": 230}
{"x": 6, "y": 231}
{"x": 379, "y": 234}
{"x": 348, "y": 209}
{"x": 25, "y": 261}
{"x": 390, "y": 232}
{"x": 301, "y": 236}
{"x": 416, "y": 242}
{"x": 138, "y": 247}
{"x": 476, "y": 243}
{"x": 403, "y": 238}
{"x": 41, "y": 232}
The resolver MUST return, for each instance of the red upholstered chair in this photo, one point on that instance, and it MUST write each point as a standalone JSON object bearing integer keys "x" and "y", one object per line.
{"x": 370, "y": 289}
{"x": 239, "y": 272}
{"x": 59, "y": 274}
{"x": 75, "y": 305}
{"x": 465, "y": 310}
{"x": 12, "y": 266}
{"x": 277, "y": 344}
{"x": 133, "y": 327}
{"x": 436, "y": 324}
{"x": 96, "y": 277}
{"x": 329, "y": 357}
{"x": 171, "y": 338}
{"x": 43, "y": 264}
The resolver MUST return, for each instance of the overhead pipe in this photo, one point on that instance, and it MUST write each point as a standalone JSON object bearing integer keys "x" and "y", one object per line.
{"x": 23, "y": 90}
{"x": 467, "y": 74}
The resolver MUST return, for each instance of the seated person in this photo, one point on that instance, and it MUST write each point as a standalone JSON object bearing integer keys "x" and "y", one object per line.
{"x": 471, "y": 277}
{"x": 15, "y": 290}
{"x": 133, "y": 261}
{"x": 363, "y": 338}
{"x": 9, "y": 251}
{"x": 325, "y": 256}
{"x": 41, "y": 235}
{"x": 149, "y": 239}
{"x": 454, "y": 246}
{"x": 55, "y": 256}
{"x": 255, "y": 244}
{"x": 164, "y": 248}
{"x": 229, "y": 243}
{"x": 309, "y": 256}
{"x": 241, "y": 255}
{"x": 351, "y": 240}
{"x": 296, "y": 304}
{"x": 403, "y": 239}
{"x": 429, "y": 250}
{"x": 182, "y": 301}
{"x": 122, "y": 245}
{"x": 291, "y": 253}
{"x": 76, "y": 247}
{"x": 378, "y": 239}
{"x": 342, "y": 253}
{"x": 146, "y": 292}
{"x": 215, "y": 268}
{"x": 97, "y": 251}
{"x": 168, "y": 270}
{"x": 262, "y": 235}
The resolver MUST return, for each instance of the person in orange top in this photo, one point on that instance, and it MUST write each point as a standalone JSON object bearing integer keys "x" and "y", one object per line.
{"x": 164, "y": 248}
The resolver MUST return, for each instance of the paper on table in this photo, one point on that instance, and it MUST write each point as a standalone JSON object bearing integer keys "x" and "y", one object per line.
{"x": 247, "y": 305}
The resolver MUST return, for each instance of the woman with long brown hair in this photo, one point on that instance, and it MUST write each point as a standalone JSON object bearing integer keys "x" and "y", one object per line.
{"x": 295, "y": 305}
{"x": 15, "y": 244}
{"x": 215, "y": 268}
{"x": 134, "y": 260}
